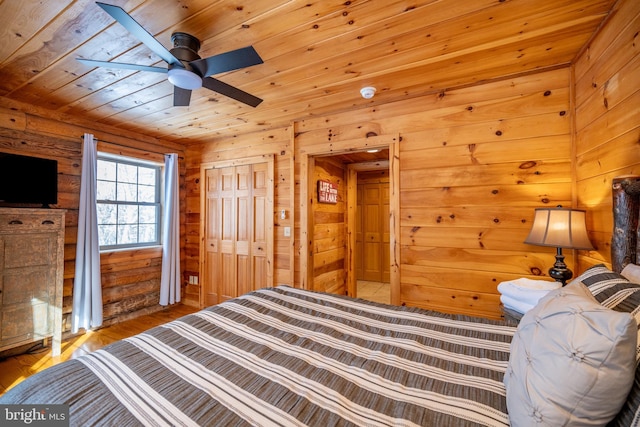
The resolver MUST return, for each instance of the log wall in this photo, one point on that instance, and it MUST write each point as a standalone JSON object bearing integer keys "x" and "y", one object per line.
{"x": 606, "y": 81}
{"x": 130, "y": 278}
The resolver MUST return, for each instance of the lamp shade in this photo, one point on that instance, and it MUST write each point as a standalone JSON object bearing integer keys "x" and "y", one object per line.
{"x": 559, "y": 227}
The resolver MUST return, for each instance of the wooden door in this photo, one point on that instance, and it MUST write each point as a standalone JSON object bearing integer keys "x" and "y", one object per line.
{"x": 211, "y": 274}
{"x": 241, "y": 221}
{"x": 373, "y": 259}
{"x": 371, "y": 233}
{"x": 238, "y": 235}
{"x": 262, "y": 217}
{"x": 385, "y": 226}
{"x": 359, "y": 239}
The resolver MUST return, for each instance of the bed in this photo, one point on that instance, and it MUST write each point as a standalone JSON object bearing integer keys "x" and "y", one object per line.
{"x": 286, "y": 356}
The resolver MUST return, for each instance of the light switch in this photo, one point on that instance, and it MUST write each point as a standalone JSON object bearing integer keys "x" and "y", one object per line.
{"x": 287, "y": 232}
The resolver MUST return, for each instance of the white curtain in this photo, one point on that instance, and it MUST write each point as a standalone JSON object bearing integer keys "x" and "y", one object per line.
{"x": 170, "y": 280}
{"x": 87, "y": 289}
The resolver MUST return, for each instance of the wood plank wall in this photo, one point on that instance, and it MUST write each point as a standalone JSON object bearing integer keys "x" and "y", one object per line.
{"x": 131, "y": 278}
{"x": 276, "y": 142}
{"x": 474, "y": 163}
{"x": 607, "y": 102}
{"x": 329, "y": 230}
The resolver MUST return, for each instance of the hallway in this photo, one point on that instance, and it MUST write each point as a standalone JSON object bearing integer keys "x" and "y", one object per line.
{"x": 374, "y": 291}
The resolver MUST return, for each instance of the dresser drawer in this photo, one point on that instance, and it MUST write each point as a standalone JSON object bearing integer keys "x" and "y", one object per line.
{"x": 19, "y": 222}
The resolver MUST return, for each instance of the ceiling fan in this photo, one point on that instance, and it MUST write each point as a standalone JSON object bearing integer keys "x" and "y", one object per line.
{"x": 186, "y": 70}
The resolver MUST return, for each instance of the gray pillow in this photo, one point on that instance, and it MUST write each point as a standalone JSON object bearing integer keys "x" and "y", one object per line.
{"x": 572, "y": 361}
{"x": 612, "y": 290}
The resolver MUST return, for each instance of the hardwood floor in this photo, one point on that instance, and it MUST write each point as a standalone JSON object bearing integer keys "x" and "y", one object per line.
{"x": 14, "y": 369}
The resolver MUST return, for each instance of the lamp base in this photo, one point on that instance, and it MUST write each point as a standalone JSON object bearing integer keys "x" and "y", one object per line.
{"x": 560, "y": 272}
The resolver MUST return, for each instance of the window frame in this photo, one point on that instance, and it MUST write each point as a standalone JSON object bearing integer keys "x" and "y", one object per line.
{"x": 158, "y": 203}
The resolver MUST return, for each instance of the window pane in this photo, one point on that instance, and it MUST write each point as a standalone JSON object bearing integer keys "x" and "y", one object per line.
{"x": 127, "y": 214}
{"x": 107, "y": 213}
{"x": 147, "y": 233}
{"x": 107, "y": 235}
{"x": 106, "y": 170}
{"x": 127, "y": 173}
{"x": 106, "y": 190}
{"x": 127, "y": 234}
{"x": 127, "y": 192}
{"x": 128, "y": 203}
{"x": 148, "y": 215}
{"x": 147, "y": 176}
{"x": 146, "y": 194}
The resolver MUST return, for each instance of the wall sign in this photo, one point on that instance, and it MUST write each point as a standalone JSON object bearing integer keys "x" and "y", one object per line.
{"x": 327, "y": 192}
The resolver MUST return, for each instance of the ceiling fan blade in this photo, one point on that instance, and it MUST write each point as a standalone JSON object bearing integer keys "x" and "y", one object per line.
{"x": 230, "y": 91}
{"x": 121, "y": 65}
{"x": 233, "y": 60}
{"x": 137, "y": 30}
{"x": 181, "y": 97}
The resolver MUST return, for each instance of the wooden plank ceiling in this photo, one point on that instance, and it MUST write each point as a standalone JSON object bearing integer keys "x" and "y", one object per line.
{"x": 317, "y": 55}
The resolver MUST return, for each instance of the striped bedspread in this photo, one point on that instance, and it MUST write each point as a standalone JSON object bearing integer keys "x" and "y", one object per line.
{"x": 284, "y": 356}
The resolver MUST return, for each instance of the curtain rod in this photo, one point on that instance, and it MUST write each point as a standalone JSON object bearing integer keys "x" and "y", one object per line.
{"x": 126, "y": 146}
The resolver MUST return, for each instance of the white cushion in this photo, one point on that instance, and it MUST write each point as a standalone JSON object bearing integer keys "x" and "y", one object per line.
{"x": 631, "y": 272}
{"x": 572, "y": 361}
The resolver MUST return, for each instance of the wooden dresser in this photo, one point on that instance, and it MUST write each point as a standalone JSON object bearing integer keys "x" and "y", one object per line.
{"x": 31, "y": 276}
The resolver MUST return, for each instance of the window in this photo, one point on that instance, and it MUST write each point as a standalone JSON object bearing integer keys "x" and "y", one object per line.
{"x": 128, "y": 198}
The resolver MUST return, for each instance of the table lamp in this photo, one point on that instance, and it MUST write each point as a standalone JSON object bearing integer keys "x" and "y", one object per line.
{"x": 560, "y": 228}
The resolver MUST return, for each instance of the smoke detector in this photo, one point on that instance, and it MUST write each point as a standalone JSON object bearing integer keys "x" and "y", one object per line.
{"x": 368, "y": 92}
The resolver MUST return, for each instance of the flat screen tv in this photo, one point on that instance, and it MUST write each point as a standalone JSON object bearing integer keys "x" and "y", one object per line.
{"x": 28, "y": 180}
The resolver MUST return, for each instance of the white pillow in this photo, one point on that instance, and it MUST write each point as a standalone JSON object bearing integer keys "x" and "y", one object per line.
{"x": 631, "y": 272}
{"x": 572, "y": 361}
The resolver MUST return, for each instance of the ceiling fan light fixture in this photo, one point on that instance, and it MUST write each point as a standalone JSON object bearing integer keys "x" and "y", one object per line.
{"x": 186, "y": 69}
{"x": 184, "y": 79}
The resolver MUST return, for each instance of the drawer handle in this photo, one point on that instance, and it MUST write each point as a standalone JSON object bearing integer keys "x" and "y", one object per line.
{"x": 47, "y": 221}
{"x": 15, "y": 221}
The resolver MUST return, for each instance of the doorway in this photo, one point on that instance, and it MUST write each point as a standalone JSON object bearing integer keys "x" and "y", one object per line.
{"x": 372, "y": 236}
{"x": 307, "y": 167}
